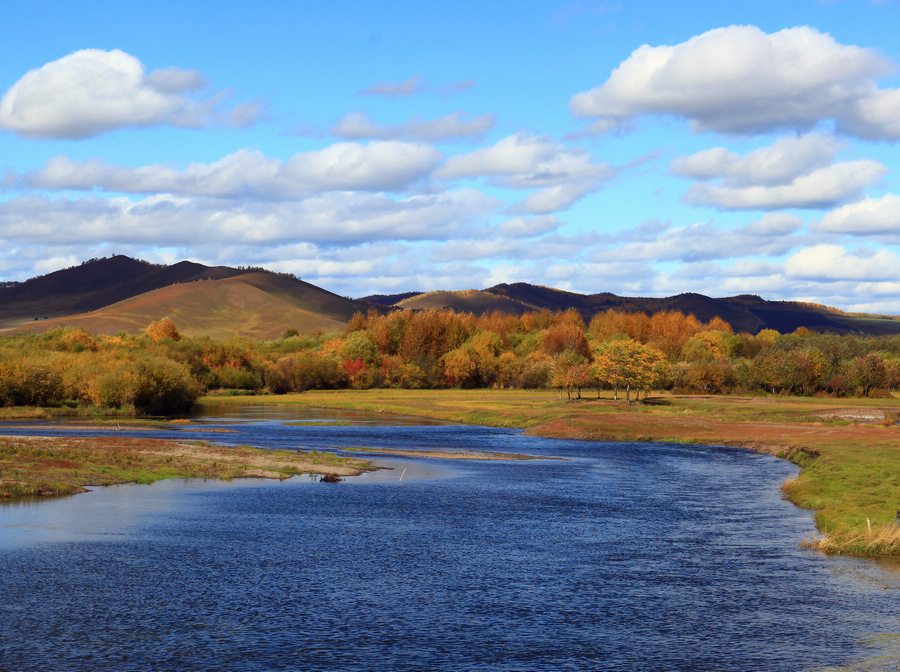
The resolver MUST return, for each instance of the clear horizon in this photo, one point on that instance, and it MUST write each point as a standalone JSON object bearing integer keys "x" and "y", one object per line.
{"x": 641, "y": 148}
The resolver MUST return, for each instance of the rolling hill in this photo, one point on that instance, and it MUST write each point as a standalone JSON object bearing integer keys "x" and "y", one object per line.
{"x": 124, "y": 294}
{"x": 121, "y": 294}
{"x": 745, "y": 313}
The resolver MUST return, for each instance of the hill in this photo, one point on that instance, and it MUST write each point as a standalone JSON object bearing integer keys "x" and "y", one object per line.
{"x": 745, "y": 313}
{"x": 122, "y": 294}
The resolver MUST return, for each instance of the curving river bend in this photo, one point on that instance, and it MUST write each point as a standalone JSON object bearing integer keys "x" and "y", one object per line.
{"x": 621, "y": 557}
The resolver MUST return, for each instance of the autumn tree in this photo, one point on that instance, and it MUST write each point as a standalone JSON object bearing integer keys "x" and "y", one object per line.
{"x": 629, "y": 364}
{"x": 162, "y": 329}
{"x": 866, "y": 372}
{"x": 571, "y": 372}
{"x": 611, "y": 323}
{"x": 562, "y": 338}
{"x": 670, "y": 330}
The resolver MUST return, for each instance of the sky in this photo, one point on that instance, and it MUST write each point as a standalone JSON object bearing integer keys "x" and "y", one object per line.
{"x": 636, "y": 147}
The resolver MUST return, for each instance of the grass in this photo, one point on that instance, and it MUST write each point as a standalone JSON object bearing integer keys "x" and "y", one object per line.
{"x": 850, "y": 471}
{"x": 43, "y": 467}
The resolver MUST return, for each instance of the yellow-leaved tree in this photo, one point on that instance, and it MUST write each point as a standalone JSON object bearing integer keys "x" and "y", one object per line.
{"x": 629, "y": 364}
{"x": 162, "y": 329}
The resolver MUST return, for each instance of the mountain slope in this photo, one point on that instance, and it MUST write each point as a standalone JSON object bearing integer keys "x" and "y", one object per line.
{"x": 121, "y": 294}
{"x": 745, "y": 313}
{"x": 93, "y": 285}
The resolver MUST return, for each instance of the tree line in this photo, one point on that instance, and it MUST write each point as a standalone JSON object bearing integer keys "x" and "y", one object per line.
{"x": 159, "y": 372}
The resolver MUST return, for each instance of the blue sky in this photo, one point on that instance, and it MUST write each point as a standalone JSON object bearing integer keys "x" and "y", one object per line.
{"x": 641, "y": 148}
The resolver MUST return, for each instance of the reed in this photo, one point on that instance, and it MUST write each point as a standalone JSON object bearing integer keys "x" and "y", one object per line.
{"x": 882, "y": 540}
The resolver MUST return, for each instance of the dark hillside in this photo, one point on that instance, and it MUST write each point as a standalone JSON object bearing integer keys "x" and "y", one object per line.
{"x": 745, "y": 313}
{"x": 93, "y": 285}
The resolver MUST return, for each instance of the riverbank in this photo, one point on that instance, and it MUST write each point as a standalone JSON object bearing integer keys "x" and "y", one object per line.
{"x": 848, "y": 449}
{"x": 40, "y": 466}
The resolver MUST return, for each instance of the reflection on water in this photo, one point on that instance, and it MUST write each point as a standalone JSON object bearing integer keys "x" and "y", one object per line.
{"x": 620, "y": 557}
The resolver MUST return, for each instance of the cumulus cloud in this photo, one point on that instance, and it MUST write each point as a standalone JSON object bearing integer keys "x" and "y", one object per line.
{"x": 377, "y": 166}
{"x": 412, "y": 85}
{"x": 356, "y": 126}
{"x": 833, "y": 262}
{"x": 870, "y": 216}
{"x": 92, "y": 91}
{"x": 780, "y": 163}
{"x": 561, "y": 174}
{"x": 821, "y": 188}
{"x": 791, "y": 173}
{"x": 741, "y": 80}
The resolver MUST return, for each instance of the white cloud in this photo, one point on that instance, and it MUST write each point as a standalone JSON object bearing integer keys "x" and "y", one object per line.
{"x": 555, "y": 198}
{"x": 702, "y": 241}
{"x": 91, "y": 91}
{"x": 561, "y": 174}
{"x": 791, "y": 173}
{"x": 774, "y": 224}
{"x": 738, "y": 79}
{"x": 833, "y": 262}
{"x": 523, "y": 161}
{"x": 821, "y": 188}
{"x": 377, "y": 166}
{"x": 778, "y": 164}
{"x": 356, "y": 125}
{"x": 327, "y": 219}
{"x": 524, "y": 227}
{"x": 870, "y": 216}
{"x": 412, "y": 85}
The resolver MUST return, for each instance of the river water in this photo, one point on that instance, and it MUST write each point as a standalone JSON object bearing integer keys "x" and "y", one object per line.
{"x": 619, "y": 557}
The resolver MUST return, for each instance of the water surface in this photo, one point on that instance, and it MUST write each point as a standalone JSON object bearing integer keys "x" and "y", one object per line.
{"x": 623, "y": 556}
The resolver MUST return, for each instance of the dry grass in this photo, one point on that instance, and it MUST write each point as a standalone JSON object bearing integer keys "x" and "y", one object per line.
{"x": 883, "y": 541}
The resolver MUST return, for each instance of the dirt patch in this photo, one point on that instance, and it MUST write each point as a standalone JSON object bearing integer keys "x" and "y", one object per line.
{"x": 865, "y": 415}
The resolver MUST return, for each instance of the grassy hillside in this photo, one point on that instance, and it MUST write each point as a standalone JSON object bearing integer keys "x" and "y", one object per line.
{"x": 255, "y": 305}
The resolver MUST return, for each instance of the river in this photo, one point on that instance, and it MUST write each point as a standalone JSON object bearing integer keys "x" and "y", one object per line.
{"x": 619, "y": 557}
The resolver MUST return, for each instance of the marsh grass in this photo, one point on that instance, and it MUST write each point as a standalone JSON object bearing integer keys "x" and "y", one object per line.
{"x": 883, "y": 541}
{"x": 42, "y": 467}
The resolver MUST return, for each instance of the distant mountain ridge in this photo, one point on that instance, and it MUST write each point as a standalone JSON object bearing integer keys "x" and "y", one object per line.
{"x": 745, "y": 313}
{"x": 124, "y": 294}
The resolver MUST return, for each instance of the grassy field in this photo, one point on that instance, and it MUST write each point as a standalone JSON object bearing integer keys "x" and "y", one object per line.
{"x": 848, "y": 449}
{"x": 43, "y": 466}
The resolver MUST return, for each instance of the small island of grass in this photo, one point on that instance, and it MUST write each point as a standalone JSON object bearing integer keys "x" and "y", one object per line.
{"x": 52, "y": 466}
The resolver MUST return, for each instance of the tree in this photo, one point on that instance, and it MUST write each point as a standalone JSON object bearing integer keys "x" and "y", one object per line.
{"x": 866, "y": 372}
{"x": 572, "y": 372}
{"x": 162, "y": 329}
{"x": 628, "y": 364}
{"x": 565, "y": 338}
